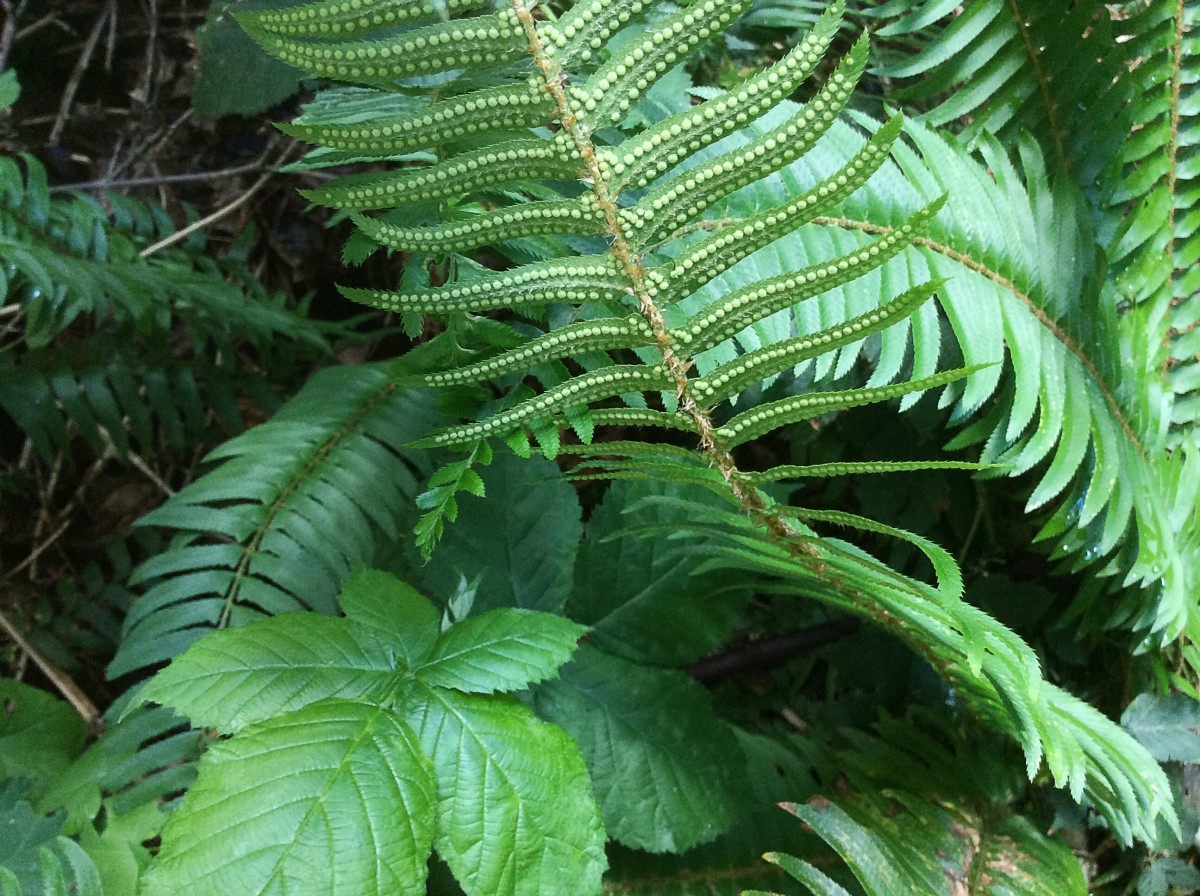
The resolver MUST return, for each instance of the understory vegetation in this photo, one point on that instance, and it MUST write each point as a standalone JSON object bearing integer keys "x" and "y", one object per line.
{"x": 751, "y": 447}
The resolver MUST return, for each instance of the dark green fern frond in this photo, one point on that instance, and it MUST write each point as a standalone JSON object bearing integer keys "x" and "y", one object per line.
{"x": 248, "y": 541}
{"x": 983, "y": 64}
{"x": 929, "y": 825}
{"x": 659, "y": 223}
{"x": 115, "y": 399}
{"x": 1149, "y": 219}
{"x": 166, "y": 330}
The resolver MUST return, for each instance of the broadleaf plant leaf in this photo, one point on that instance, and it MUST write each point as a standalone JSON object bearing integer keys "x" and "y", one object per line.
{"x": 502, "y": 650}
{"x": 1168, "y": 726}
{"x": 663, "y": 765}
{"x": 524, "y": 536}
{"x": 632, "y": 584}
{"x": 39, "y": 734}
{"x": 235, "y": 677}
{"x": 515, "y": 816}
{"x": 321, "y": 708}
{"x": 273, "y": 809}
{"x": 383, "y": 609}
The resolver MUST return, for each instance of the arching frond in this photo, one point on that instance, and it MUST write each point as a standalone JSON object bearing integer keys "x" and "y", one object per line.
{"x": 672, "y": 224}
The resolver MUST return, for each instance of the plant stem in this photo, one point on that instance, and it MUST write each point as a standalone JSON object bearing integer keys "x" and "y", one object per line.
{"x": 677, "y": 367}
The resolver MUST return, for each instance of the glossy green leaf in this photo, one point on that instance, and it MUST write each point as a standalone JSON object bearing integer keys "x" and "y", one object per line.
{"x": 502, "y": 650}
{"x": 668, "y": 773}
{"x": 273, "y": 810}
{"x": 40, "y": 735}
{"x": 522, "y": 538}
{"x": 236, "y": 677}
{"x": 515, "y": 812}
{"x": 632, "y": 586}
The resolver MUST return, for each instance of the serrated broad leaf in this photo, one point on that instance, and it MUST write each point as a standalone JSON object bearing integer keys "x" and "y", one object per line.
{"x": 523, "y": 538}
{"x": 385, "y": 611}
{"x": 502, "y": 771}
{"x": 667, "y": 772}
{"x": 632, "y": 585}
{"x": 236, "y": 677}
{"x": 1167, "y": 726}
{"x": 273, "y": 810}
{"x": 502, "y": 650}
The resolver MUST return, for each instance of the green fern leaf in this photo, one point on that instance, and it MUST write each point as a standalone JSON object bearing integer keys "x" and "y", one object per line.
{"x": 489, "y": 109}
{"x": 348, "y": 18}
{"x": 326, "y": 451}
{"x": 760, "y": 420}
{"x": 652, "y": 260}
{"x": 606, "y": 97}
{"x": 34, "y": 860}
{"x": 659, "y": 148}
{"x": 467, "y": 172}
{"x": 462, "y": 43}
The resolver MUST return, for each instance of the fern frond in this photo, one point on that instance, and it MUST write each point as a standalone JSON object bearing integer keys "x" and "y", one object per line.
{"x": 1150, "y": 214}
{"x": 733, "y": 377}
{"x": 489, "y": 109}
{"x": 649, "y": 259}
{"x": 985, "y": 63}
{"x": 609, "y": 93}
{"x": 529, "y": 219}
{"x": 599, "y": 334}
{"x": 581, "y": 390}
{"x": 1014, "y": 246}
{"x": 922, "y": 811}
{"x": 462, "y": 43}
{"x": 247, "y": 545}
{"x": 1084, "y": 751}
{"x": 467, "y": 172}
{"x": 574, "y": 281}
{"x": 683, "y": 197}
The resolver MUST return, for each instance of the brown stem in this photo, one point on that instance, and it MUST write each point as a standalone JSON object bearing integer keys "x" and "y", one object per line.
{"x": 620, "y": 248}
{"x": 769, "y": 652}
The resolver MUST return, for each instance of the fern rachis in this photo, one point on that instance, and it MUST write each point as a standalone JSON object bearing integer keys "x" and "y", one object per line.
{"x": 616, "y": 298}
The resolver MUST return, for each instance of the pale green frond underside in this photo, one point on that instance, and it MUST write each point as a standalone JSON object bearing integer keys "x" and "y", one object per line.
{"x": 462, "y": 43}
{"x": 683, "y": 197}
{"x": 489, "y": 109}
{"x": 488, "y": 228}
{"x": 647, "y": 156}
{"x": 347, "y": 18}
{"x": 760, "y": 420}
{"x": 585, "y": 280}
{"x": 607, "y": 96}
{"x": 588, "y": 387}
{"x": 465, "y": 173}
